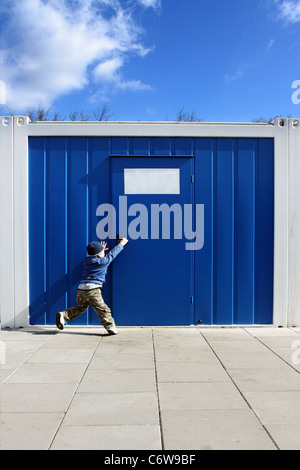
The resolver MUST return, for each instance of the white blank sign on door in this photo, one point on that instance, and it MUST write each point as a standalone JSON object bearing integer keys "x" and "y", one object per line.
{"x": 151, "y": 181}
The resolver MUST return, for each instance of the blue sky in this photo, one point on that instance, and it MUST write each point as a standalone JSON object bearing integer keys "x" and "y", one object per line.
{"x": 232, "y": 60}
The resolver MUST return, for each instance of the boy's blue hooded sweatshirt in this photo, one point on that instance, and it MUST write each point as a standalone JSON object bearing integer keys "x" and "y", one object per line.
{"x": 95, "y": 269}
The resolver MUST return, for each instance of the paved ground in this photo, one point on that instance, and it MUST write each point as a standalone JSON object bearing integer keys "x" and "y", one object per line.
{"x": 150, "y": 388}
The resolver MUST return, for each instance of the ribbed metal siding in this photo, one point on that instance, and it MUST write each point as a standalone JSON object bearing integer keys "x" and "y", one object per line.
{"x": 233, "y": 278}
{"x": 234, "y": 270}
{"x": 67, "y": 178}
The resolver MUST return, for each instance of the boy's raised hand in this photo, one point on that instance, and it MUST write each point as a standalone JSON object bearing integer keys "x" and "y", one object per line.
{"x": 105, "y": 245}
{"x": 124, "y": 241}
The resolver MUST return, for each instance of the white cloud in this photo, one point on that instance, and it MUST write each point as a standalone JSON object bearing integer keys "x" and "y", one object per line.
{"x": 151, "y": 3}
{"x": 270, "y": 45}
{"x": 135, "y": 85}
{"x": 239, "y": 73}
{"x": 53, "y": 47}
{"x": 108, "y": 70}
{"x": 289, "y": 10}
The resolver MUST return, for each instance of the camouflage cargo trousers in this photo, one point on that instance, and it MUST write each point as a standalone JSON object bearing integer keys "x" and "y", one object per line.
{"x": 92, "y": 297}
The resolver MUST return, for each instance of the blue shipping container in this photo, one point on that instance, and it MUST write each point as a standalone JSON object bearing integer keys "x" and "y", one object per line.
{"x": 156, "y": 280}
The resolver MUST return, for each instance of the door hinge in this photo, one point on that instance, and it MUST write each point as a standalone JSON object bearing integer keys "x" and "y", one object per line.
{"x": 192, "y": 179}
{"x": 192, "y": 299}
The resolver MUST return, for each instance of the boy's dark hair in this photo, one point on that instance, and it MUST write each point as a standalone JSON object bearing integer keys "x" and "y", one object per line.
{"x": 94, "y": 248}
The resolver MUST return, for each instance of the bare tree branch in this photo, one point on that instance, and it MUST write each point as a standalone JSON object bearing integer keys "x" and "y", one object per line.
{"x": 183, "y": 116}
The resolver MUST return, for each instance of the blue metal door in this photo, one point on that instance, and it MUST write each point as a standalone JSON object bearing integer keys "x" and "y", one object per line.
{"x": 153, "y": 277}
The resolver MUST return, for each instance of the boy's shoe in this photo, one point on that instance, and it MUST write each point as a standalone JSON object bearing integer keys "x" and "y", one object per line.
{"x": 60, "y": 321}
{"x": 112, "y": 331}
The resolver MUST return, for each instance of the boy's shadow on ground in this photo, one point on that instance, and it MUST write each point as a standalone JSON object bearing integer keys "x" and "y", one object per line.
{"x": 41, "y": 331}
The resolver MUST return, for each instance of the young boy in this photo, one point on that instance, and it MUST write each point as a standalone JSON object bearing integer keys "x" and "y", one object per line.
{"x": 89, "y": 290}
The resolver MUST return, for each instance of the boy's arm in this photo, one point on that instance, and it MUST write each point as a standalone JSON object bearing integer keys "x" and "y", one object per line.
{"x": 114, "y": 252}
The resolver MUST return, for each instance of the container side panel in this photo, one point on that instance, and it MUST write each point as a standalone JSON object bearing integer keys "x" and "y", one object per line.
{"x": 244, "y": 231}
{"x": 78, "y": 221}
{"x": 37, "y": 231}
{"x": 119, "y": 146}
{"x": 99, "y": 192}
{"x": 204, "y": 158}
{"x": 230, "y": 280}
{"x": 162, "y": 146}
{"x": 264, "y": 236}
{"x": 223, "y": 233}
{"x": 56, "y": 226}
{"x": 183, "y": 146}
{"x": 140, "y": 146}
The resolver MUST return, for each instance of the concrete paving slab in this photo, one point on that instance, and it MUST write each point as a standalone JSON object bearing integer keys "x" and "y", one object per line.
{"x": 279, "y": 341}
{"x": 276, "y": 407}
{"x": 133, "y": 333}
{"x": 184, "y": 354}
{"x": 236, "y": 346}
{"x": 12, "y": 362}
{"x": 197, "y": 342}
{"x": 225, "y": 334}
{"x": 200, "y": 396}
{"x": 110, "y": 361}
{"x": 77, "y": 340}
{"x": 191, "y": 372}
{"x": 250, "y": 360}
{"x": 214, "y": 430}
{"x": 28, "y": 334}
{"x": 24, "y": 347}
{"x": 139, "y": 437}
{"x": 290, "y": 356}
{"x": 256, "y": 380}
{"x": 133, "y": 347}
{"x": 271, "y": 331}
{"x": 61, "y": 355}
{"x": 180, "y": 336}
{"x": 120, "y": 380}
{"x": 287, "y": 436}
{"x": 5, "y": 374}
{"x": 28, "y": 431}
{"x": 48, "y": 373}
{"x": 113, "y": 409}
{"x": 175, "y": 333}
{"x": 30, "y": 398}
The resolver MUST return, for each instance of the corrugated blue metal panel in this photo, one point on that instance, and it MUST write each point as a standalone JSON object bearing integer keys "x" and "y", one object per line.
{"x": 56, "y": 225}
{"x": 204, "y": 270}
{"x": 99, "y": 192}
{"x": 37, "y": 231}
{"x": 78, "y": 210}
{"x": 264, "y": 232}
{"x": 119, "y": 146}
{"x": 67, "y": 179}
{"x": 244, "y": 231}
{"x": 223, "y": 232}
{"x": 232, "y": 275}
{"x": 161, "y": 146}
{"x": 140, "y": 146}
{"x": 183, "y": 146}
{"x": 234, "y": 270}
